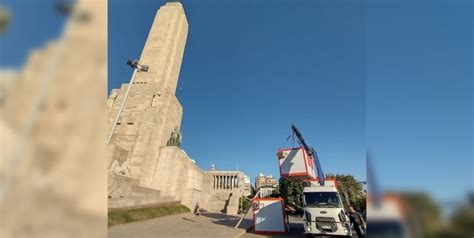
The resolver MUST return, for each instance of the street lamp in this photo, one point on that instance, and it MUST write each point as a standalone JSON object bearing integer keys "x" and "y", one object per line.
{"x": 135, "y": 64}
{"x": 137, "y": 67}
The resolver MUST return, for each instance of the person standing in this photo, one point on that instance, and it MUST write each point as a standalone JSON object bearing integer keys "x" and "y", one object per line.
{"x": 357, "y": 222}
{"x": 196, "y": 209}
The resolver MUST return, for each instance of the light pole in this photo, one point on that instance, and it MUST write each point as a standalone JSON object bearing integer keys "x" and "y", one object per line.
{"x": 136, "y": 68}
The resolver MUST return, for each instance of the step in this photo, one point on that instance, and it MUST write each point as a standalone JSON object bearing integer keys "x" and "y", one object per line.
{"x": 232, "y": 210}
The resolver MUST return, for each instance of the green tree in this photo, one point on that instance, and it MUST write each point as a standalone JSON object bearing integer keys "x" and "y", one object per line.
{"x": 291, "y": 192}
{"x": 244, "y": 202}
{"x": 351, "y": 191}
{"x": 423, "y": 215}
{"x": 462, "y": 223}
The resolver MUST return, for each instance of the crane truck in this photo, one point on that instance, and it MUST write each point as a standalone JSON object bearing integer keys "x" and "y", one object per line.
{"x": 322, "y": 203}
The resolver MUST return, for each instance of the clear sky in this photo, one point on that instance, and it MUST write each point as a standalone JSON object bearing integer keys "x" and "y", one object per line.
{"x": 396, "y": 76}
{"x": 419, "y": 95}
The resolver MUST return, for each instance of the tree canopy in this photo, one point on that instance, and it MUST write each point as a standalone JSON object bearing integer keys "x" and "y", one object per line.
{"x": 351, "y": 190}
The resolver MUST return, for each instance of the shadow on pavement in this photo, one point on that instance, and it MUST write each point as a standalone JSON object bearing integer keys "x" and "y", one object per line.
{"x": 228, "y": 220}
{"x": 218, "y": 215}
{"x": 187, "y": 219}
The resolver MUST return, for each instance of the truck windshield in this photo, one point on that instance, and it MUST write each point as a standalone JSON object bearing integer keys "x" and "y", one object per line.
{"x": 322, "y": 199}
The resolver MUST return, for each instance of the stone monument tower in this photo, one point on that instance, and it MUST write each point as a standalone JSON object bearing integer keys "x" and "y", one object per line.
{"x": 144, "y": 157}
{"x": 146, "y": 166}
{"x": 152, "y": 113}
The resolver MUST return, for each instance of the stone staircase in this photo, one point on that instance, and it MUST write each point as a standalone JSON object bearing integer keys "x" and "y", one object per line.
{"x": 233, "y": 205}
{"x": 124, "y": 192}
{"x": 223, "y": 201}
{"x": 217, "y": 202}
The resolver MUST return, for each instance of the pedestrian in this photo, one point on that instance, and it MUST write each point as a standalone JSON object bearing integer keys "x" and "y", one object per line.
{"x": 196, "y": 209}
{"x": 357, "y": 222}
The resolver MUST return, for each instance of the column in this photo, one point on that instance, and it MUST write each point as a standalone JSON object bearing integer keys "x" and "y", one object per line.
{"x": 225, "y": 181}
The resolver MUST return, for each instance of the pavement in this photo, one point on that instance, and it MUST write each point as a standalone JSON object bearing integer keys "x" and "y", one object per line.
{"x": 184, "y": 226}
{"x": 296, "y": 230}
{"x": 207, "y": 225}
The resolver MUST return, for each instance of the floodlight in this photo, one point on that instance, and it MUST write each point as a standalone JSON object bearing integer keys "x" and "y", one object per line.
{"x": 65, "y": 7}
{"x": 140, "y": 68}
{"x": 132, "y": 63}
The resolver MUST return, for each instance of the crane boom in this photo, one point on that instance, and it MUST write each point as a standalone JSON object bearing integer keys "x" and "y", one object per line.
{"x": 311, "y": 152}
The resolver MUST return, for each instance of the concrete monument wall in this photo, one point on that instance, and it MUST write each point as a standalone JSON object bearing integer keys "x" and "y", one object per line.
{"x": 52, "y": 151}
{"x": 144, "y": 168}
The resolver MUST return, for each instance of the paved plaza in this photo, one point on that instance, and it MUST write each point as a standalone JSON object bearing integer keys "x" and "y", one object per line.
{"x": 183, "y": 226}
{"x": 207, "y": 225}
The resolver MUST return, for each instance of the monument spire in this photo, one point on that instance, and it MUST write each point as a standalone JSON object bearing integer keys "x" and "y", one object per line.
{"x": 151, "y": 116}
{"x": 164, "y": 48}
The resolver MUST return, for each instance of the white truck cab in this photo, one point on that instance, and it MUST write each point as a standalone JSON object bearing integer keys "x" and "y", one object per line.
{"x": 323, "y": 211}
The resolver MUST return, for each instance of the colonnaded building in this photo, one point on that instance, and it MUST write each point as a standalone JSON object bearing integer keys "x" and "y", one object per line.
{"x": 146, "y": 166}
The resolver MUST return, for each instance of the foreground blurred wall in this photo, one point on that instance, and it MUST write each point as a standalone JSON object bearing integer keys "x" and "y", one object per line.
{"x": 52, "y": 130}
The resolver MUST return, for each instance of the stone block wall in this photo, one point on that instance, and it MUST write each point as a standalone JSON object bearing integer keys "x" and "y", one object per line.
{"x": 177, "y": 176}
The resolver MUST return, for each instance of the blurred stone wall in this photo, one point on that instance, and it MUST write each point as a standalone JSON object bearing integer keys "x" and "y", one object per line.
{"x": 53, "y": 135}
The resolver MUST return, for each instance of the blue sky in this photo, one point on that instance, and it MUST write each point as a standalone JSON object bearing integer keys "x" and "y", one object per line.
{"x": 395, "y": 76}
{"x": 419, "y": 95}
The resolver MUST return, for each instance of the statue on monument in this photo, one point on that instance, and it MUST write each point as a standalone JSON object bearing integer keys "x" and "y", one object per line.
{"x": 175, "y": 138}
